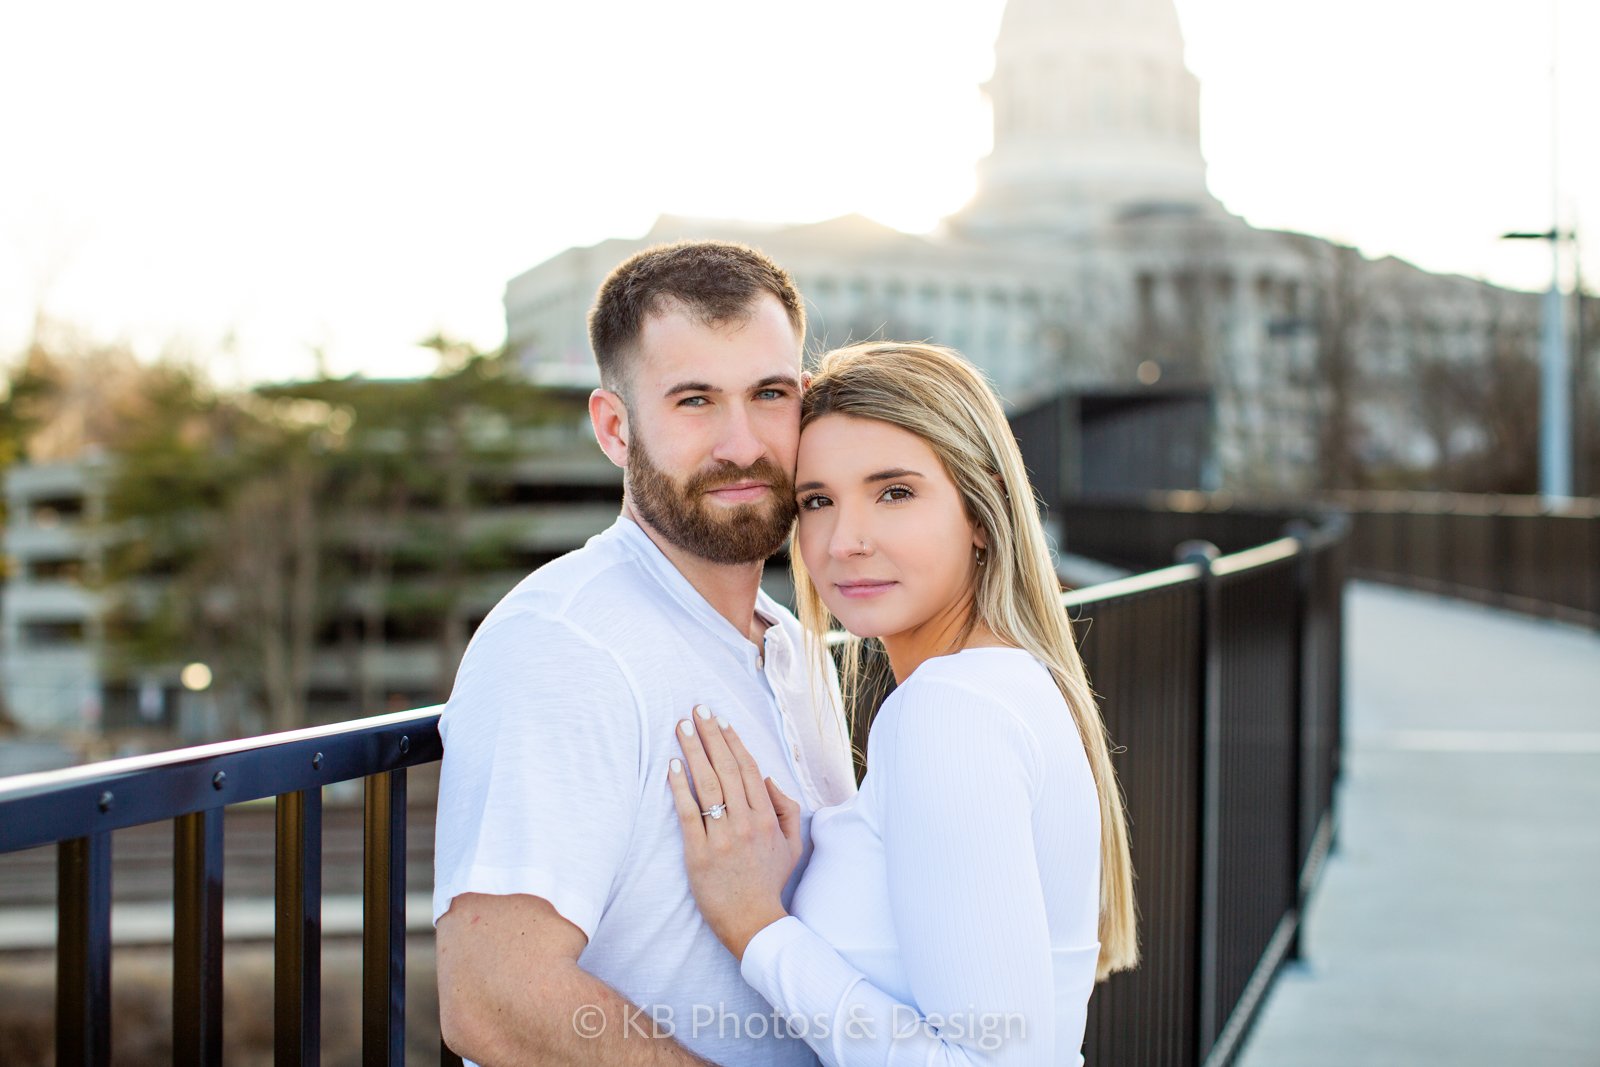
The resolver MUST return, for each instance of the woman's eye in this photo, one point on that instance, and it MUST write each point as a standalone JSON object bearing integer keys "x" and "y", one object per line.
{"x": 814, "y": 502}
{"x": 897, "y": 492}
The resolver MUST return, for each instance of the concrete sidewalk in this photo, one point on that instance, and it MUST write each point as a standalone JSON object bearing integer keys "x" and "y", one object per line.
{"x": 1458, "y": 920}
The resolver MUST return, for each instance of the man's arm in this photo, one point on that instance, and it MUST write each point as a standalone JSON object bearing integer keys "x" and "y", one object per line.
{"x": 511, "y": 992}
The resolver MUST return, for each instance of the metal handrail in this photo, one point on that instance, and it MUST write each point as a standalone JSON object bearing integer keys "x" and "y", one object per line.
{"x": 49, "y": 806}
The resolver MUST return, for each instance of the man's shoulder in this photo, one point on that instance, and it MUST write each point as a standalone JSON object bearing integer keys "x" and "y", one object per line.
{"x": 593, "y": 592}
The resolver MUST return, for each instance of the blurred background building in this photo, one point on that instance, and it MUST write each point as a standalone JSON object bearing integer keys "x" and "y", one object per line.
{"x": 1094, "y": 258}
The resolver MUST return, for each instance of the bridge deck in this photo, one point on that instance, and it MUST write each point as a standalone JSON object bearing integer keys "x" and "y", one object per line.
{"x": 1458, "y": 920}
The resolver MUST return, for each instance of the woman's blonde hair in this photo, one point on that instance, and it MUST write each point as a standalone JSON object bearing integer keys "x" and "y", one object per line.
{"x": 934, "y": 393}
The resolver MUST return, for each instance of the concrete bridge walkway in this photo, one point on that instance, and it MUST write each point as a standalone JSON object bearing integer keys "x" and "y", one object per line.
{"x": 1458, "y": 920}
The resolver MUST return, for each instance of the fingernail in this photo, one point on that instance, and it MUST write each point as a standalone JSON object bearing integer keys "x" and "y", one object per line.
{"x": 722, "y": 722}
{"x": 687, "y": 728}
{"x": 702, "y": 711}
{"x": 677, "y": 766}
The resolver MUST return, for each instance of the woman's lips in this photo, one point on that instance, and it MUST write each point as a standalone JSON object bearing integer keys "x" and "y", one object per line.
{"x": 864, "y": 589}
{"x": 740, "y": 493}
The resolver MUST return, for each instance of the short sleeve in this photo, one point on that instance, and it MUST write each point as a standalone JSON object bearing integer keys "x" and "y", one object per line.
{"x": 540, "y": 781}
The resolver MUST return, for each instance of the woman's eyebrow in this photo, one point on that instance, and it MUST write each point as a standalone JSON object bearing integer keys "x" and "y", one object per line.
{"x": 880, "y": 476}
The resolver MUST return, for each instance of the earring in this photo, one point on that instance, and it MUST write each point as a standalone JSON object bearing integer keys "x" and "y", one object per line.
{"x": 977, "y": 554}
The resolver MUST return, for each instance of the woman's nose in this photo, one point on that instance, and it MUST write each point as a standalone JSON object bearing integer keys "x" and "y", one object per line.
{"x": 849, "y": 539}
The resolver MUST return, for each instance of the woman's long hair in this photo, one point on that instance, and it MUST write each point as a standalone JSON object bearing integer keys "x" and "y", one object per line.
{"x": 934, "y": 393}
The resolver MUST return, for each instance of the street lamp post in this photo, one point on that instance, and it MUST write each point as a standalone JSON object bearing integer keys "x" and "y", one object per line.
{"x": 1555, "y": 379}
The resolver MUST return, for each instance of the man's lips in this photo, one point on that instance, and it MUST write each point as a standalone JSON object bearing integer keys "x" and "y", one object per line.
{"x": 862, "y": 588}
{"x": 739, "y": 492}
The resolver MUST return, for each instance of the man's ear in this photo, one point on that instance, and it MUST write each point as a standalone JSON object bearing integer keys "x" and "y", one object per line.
{"x": 805, "y": 380}
{"x": 609, "y": 417}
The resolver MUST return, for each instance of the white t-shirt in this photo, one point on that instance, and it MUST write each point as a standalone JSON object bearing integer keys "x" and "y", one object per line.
{"x": 960, "y": 887}
{"x": 557, "y": 738}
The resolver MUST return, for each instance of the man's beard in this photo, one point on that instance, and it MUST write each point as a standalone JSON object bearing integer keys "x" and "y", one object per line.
{"x": 747, "y": 533}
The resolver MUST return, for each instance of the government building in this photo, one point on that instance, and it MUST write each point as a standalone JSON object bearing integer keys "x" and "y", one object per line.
{"x": 1094, "y": 259}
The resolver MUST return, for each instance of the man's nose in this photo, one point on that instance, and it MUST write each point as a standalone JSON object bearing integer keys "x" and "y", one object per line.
{"x": 738, "y": 444}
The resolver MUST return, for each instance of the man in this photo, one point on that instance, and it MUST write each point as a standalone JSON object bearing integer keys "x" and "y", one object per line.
{"x": 566, "y": 929}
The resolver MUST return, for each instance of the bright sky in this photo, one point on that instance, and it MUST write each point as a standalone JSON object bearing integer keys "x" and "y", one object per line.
{"x": 355, "y": 176}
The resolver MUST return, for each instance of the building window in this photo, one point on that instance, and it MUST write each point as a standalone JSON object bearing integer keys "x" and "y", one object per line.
{"x": 55, "y": 570}
{"x": 46, "y": 633}
{"x": 52, "y": 511}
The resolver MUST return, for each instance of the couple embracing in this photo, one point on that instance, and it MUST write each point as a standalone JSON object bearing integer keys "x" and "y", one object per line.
{"x": 651, "y": 844}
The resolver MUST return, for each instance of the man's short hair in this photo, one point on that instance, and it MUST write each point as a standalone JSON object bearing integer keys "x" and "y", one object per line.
{"x": 718, "y": 281}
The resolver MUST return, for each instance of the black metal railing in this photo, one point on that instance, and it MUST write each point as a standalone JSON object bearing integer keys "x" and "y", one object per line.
{"x": 1220, "y": 682}
{"x": 77, "y": 809}
{"x": 1521, "y": 553}
{"x": 1515, "y": 552}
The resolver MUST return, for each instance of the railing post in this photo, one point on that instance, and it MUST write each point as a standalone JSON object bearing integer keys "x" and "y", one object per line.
{"x": 83, "y": 950}
{"x": 383, "y": 926}
{"x": 1202, "y": 553}
{"x": 197, "y": 938}
{"x": 297, "y": 939}
{"x": 1304, "y": 730}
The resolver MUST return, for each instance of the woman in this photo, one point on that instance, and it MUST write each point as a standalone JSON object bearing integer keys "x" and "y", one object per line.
{"x": 960, "y": 907}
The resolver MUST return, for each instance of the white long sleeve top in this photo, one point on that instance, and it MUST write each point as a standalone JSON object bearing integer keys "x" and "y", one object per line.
{"x": 950, "y": 911}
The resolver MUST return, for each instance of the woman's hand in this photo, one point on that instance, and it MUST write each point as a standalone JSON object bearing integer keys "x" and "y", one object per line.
{"x": 738, "y": 862}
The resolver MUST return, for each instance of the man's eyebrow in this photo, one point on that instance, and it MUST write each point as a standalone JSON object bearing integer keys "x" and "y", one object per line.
{"x": 705, "y": 387}
{"x": 691, "y": 387}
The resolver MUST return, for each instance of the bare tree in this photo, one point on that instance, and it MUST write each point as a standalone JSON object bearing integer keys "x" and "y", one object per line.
{"x": 1340, "y": 318}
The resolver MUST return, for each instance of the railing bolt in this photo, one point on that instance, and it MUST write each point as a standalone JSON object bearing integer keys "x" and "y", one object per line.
{"x": 405, "y": 745}
{"x": 105, "y": 801}
{"x": 217, "y": 780}
{"x": 316, "y": 762}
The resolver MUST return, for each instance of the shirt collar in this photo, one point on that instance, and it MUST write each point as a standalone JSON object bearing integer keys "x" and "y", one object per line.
{"x": 683, "y": 591}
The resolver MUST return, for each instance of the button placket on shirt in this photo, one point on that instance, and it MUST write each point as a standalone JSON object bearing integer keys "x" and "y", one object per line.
{"x": 776, "y": 657}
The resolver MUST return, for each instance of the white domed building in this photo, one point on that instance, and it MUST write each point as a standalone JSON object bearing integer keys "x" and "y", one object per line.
{"x": 1093, "y": 257}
